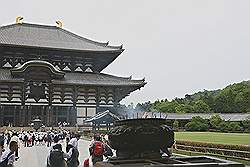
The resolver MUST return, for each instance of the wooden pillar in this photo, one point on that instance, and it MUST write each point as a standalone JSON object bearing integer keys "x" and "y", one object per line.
{"x": 74, "y": 116}
{"x": 29, "y": 112}
{"x": 97, "y": 100}
{"x": 45, "y": 110}
{"x": 74, "y": 105}
{"x": 42, "y": 114}
{"x": 55, "y": 121}
{"x": 14, "y": 116}
{"x": 68, "y": 115}
{"x": 21, "y": 115}
{"x": 47, "y": 115}
{"x": 23, "y": 107}
{"x": 51, "y": 116}
{"x": 49, "y": 108}
{"x": 1, "y": 107}
{"x": 24, "y": 115}
{"x": 1, "y": 115}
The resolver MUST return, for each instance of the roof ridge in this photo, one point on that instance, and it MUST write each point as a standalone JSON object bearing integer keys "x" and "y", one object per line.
{"x": 127, "y": 78}
{"x": 38, "y": 25}
{"x": 7, "y": 26}
{"x": 30, "y": 25}
{"x": 104, "y": 44}
{"x": 109, "y": 75}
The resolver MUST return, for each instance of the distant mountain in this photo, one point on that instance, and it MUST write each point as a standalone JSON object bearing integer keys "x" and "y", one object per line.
{"x": 234, "y": 98}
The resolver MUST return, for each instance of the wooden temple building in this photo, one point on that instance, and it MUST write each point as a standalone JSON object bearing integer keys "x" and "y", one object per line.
{"x": 56, "y": 75}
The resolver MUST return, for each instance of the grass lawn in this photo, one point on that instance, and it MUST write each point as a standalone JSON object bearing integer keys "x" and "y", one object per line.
{"x": 215, "y": 137}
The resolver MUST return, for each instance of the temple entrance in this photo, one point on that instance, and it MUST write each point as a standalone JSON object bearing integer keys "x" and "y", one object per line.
{"x": 8, "y": 121}
{"x": 50, "y": 116}
{"x": 54, "y": 115}
{"x": 38, "y": 112}
{"x": 7, "y": 117}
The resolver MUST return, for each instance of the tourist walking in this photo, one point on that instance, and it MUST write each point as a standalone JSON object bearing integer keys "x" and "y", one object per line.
{"x": 15, "y": 138}
{"x": 33, "y": 139}
{"x": 96, "y": 149}
{"x": 56, "y": 157}
{"x": 26, "y": 139}
{"x": 74, "y": 154}
{"x": 74, "y": 140}
{"x": 8, "y": 137}
{"x": 1, "y": 144}
{"x": 49, "y": 139}
{"x": 8, "y": 156}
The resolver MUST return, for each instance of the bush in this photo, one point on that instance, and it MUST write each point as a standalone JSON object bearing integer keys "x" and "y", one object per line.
{"x": 213, "y": 145}
{"x": 176, "y": 125}
{"x": 246, "y": 125}
{"x": 214, "y": 121}
{"x": 227, "y": 152}
{"x": 197, "y": 124}
{"x": 223, "y": 126}
{"x": 234, "y": 127}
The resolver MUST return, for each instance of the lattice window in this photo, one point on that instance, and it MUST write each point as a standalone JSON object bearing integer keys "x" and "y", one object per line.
{"x": 57, "y": 95}
{"x": 81, "y": 95}
{"x": 67, "y": 95}
{"x": 10, "y": 93}
{"x": 36, "y": 92}
{"x": 103, "y": 96}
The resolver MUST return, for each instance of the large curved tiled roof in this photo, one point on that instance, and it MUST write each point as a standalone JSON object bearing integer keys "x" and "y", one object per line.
{"x": 98, "y": 79}
{"x": 35, "y": 35}
{"x": 82, "y": 79}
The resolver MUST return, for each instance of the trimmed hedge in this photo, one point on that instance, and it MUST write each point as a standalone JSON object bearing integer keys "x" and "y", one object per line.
{"x": 212, "y": 145}
{"x": 233, "y": 153}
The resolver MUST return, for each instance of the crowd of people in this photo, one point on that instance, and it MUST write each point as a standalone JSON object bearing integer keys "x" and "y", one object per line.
{"x": 10, "y": 143}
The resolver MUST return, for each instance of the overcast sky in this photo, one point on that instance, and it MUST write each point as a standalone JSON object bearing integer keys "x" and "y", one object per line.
{"x": 179, "y": 46}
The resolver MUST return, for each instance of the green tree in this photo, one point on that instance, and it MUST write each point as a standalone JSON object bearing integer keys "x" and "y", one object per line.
{"x": 223, "y": 126}
{"x": 214, "y": 121}
{"x": 184, "y": 108}
{"x": 208, "y": 98}
{"x": 232, "y": 99}
{"x": 242, "y": 100}
{"x": 179, "y": 100}
{"x": 176, "y": 125}
{"x": 197, "y": 124}
{"x": 234, "y": 127}
{"x": 201, "y": 107}
{"x": 168, "y": 107}
{"x": 246, "y": 124}
{"x": 221, "y": 105}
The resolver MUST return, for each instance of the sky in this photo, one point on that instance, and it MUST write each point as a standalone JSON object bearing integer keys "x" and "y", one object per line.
{"x": 179, "y": 46}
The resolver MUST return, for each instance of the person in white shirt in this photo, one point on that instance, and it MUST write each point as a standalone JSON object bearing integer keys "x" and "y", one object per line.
{"x": 1, "y": 144}
{"x": 8, "y": 156}
{"x": 74, "y": 141}
{"x": 71, "y": 149}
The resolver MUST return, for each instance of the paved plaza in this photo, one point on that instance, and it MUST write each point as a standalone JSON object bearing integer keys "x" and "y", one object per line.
{"x": 36, "y": 156}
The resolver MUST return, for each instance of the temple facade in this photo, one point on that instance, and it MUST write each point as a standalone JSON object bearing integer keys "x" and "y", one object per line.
{"x": 56, "y": 75}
